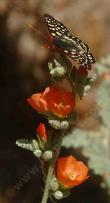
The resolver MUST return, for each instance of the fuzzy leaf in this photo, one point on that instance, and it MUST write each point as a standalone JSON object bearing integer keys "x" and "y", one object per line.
{"x": 103, "y": 100}
{"x": 103, "y": 65}
{"x": 31, "y": 145}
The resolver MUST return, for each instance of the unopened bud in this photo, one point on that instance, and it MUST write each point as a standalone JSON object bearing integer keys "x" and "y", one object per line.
{"x": 87, "y": 87}
{"x": 54, "y": 185}
{"x": 64, "y": 124}
{"x": 55, "y": 124}
{"x": 58, "y": 195}
{"x": 58, "y": 72}
{"x": 37, "y": 153}
{"x": 47, "y": 155}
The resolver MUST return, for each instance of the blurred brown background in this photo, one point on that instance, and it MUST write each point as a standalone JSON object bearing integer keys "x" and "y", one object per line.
{"x": 23, "y": 70}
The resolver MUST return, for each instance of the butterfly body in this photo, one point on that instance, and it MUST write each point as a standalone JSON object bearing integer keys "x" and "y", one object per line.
{"x": 63, "y": 43}
{"x": 69, "y": 44}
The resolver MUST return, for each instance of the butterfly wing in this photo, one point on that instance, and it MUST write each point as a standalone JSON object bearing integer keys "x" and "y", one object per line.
{"x": 71, "y": 45}
{"x": 79, "y": 52}
{"x": 55, "y": 27}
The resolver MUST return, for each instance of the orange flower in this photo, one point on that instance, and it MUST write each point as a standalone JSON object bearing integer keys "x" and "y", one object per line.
{"x": 60, "y": 102}
{"x": 42, "y": 132}
{"x": 71, "y": 172}
{"x": 54, "y": 100}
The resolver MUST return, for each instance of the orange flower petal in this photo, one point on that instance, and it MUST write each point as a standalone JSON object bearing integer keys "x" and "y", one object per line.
{"x": 42, "y": 132}
{"x": 60, "y": 102}
{"x": 38, "y": 102}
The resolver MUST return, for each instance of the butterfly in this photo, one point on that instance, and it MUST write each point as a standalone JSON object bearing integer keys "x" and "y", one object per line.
{"x": 69, "y": 44}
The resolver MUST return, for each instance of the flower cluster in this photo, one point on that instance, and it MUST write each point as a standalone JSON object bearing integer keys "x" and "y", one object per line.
{"x": 57, "y": 104}
{"x": 69, "y": 172}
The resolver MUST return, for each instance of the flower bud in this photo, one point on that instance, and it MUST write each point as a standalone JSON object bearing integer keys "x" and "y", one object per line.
{"x": 55, "y": 123}
{"x": 58, "y": 72}
{"x": 64, "y": 124}
{"x": 58, "y": 195}
{"x": 42, "y": 132}
{"x": 37, "y": 153}
{"x": 87, "y": 87}
{"x": 54, "y": 185}
{"x": 47, "y": 155}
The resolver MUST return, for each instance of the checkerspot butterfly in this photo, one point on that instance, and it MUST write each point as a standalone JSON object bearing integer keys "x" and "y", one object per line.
{"x": 69, "y": 44}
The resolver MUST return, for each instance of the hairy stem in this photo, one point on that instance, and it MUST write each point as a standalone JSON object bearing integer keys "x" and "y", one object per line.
{"x": 56, "y": 151}
{"x": 109, "y": 142}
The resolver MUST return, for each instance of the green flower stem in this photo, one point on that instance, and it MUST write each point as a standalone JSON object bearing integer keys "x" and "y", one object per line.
{"x": 56, "y": 151}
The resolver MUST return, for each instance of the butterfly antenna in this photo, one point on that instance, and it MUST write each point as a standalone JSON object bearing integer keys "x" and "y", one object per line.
{"x": 39, "y": 32}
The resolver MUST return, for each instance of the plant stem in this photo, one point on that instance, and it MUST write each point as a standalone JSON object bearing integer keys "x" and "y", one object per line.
{"x": 56, "y": 151}
{"x": 109, "y": 142}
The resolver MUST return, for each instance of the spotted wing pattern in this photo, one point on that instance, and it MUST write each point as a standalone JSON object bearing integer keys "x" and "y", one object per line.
{"x": 55, "y": 27}
{"x": 71, "y": 45}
